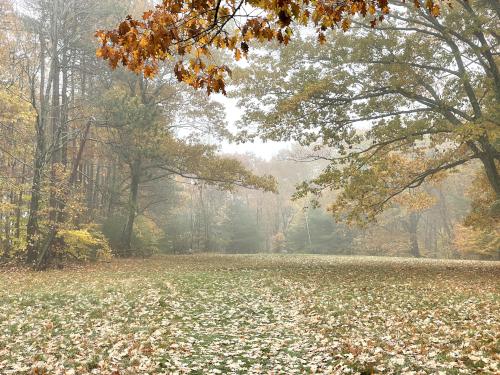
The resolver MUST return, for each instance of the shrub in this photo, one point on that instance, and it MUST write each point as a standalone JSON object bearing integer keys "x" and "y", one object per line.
{"x": 84, "y": 244}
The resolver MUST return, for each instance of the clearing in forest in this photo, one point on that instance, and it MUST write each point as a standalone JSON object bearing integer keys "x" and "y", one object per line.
{"x": 242, "y": 314}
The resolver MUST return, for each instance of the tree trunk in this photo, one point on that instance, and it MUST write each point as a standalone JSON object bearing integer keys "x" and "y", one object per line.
{"x": 112, "y": 190}
{"x": 36, "y": 185}
{"x": 97, "y": 187}
{"x": 32, "y": 226}
{"x": 90, "y": 185}
{"x": 135, "y": 172}
{"x": 55, "y": 112}
{"x": 490, "y": 167}
{"x": 8, "y": 228}
{"x": 19, "y": 205}
{"x": 43, "y": 258}
{"x": 64, "y": 109}
{"x": 412, "y": 230}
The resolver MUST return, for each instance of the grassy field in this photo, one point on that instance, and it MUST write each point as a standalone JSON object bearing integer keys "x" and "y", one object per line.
{"x": 205, "y": 314}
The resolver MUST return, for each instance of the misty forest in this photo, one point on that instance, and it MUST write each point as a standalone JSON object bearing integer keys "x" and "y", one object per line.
{"x": 249, "y": 187}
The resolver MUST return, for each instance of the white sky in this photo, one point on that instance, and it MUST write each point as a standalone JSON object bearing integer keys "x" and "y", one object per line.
{"x": 233, "y": 113}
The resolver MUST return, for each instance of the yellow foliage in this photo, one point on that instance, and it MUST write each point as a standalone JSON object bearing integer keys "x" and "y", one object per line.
{"x": 85, "y": 245}
{"x": 147, "y": 234}
{"x": 482, "y": 242}
{"x": 480, "y": 232}
{"x": 415, "y": 200}
{"x": 483, "y": 197}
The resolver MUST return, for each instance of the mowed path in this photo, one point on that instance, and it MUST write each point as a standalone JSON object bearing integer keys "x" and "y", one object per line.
{"x": 238, "y": 314}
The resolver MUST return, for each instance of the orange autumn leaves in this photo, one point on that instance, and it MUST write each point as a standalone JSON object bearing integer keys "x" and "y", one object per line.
{"x": 187, "y": 30}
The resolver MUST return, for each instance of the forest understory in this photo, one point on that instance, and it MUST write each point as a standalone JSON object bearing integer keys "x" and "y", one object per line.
{"x": 252, "y": 314}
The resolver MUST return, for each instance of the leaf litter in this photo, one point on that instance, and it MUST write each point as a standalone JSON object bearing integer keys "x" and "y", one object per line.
{"x": 253, "y": 314}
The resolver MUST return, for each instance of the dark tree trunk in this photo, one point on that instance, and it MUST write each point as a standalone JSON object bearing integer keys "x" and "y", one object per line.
{"x": 489, "y": 162}
{"x": 32, "y": 225}
{"x": 135, "y": 171}
{"x": 111, "y": 190}
{"x": 90, "y": 185}
{"x": 97, "y": 187}
{"x": 36, "y": 185}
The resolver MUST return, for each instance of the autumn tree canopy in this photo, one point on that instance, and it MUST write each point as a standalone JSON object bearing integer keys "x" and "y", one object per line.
{"x": 425, "y": 90}
{"x": 81, "y": 147}
{"x": 187, "y": 30}
{"x": 96, "y": 161}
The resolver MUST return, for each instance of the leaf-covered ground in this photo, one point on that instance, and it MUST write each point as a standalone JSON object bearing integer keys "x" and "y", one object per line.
{"x": 253, "y": 314}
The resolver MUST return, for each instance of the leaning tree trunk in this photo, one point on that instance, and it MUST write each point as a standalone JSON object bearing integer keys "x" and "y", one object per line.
{"x": 490, "y": 166}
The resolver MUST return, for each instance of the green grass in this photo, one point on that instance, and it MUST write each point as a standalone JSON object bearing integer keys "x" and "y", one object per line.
{"x": 253, "y": 314}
